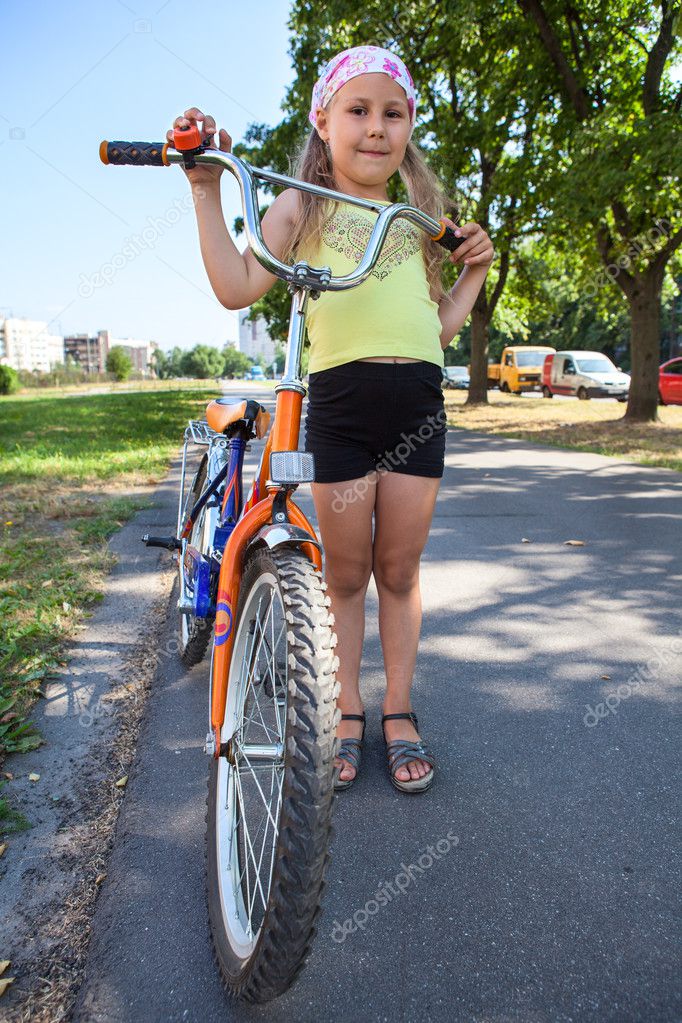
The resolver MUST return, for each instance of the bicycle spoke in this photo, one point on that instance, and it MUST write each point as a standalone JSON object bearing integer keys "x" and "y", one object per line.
{"x": 259, "y": 665}
{"x": 254, "y": 690}
{"x": 251, "y": 851}
{"x": 258, "y": 786}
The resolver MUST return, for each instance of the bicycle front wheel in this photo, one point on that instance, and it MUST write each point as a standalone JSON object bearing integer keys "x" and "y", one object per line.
{"x": 270, "y": 794}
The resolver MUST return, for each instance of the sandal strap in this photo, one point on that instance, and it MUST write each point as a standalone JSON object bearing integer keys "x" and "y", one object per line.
{"x": 402, "y": 752}
{"x": 356, "y": 717}
{"x": 350, "y": 750}
{"x": 410, "y": 716}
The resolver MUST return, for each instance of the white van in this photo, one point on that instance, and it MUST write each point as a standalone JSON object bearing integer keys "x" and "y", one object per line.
{"x": 583, "y": 374}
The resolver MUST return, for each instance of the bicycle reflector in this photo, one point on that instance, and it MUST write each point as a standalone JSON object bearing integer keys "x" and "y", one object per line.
{"x": 292, "y": 467}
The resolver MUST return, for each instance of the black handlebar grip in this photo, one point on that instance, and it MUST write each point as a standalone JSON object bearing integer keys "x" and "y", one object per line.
{"x": 169, "y": 543}
{"x": 448, "y": 239}
{"x": 134, "y": 154}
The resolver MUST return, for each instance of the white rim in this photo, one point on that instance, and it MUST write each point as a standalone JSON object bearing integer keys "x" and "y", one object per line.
{"x": 196, "y": 539}
{"x": 249, "y": 791}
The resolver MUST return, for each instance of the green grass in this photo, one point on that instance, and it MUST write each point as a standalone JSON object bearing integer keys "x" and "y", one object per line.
{"x": 95, "y": 437}
{"x": 67, "y": 465}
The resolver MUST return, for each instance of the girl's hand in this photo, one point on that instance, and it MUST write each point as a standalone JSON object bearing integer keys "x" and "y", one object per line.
{"x": 476, "y": 250}
{"x": 202, "y": 174}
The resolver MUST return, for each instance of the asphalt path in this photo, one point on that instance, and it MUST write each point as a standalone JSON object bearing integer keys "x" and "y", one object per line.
{"x": 536, "y": 880}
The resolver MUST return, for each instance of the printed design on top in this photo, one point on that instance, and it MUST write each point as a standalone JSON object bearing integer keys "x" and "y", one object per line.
{"x": 348, "y": 233}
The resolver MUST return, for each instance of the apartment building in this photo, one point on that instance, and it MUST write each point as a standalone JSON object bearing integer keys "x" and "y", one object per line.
{"x": 90, "y": 352}
{"x": 254, "y": 339}
{"x": 27, "y": 345}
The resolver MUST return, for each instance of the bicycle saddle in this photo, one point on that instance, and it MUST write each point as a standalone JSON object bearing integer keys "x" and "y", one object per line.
{"x": 220, "y": 413}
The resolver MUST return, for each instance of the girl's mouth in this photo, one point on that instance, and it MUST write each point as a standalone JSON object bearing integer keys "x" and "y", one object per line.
{"x": 372, "y": 152}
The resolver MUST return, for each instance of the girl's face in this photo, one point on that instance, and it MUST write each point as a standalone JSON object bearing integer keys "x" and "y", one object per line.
{"x": 367, "y": 126}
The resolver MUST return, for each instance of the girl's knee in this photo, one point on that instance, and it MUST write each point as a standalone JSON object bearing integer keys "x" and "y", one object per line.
{"x": 348, "y": 577}
{"x": 396, "y": 573}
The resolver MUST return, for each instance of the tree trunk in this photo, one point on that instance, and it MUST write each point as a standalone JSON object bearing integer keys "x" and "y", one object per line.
{"x": 645, "y": 338}
{"x": 480, "y": 324}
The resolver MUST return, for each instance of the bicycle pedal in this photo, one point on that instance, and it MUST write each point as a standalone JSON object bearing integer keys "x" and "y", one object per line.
{"x": 169, "y": 543}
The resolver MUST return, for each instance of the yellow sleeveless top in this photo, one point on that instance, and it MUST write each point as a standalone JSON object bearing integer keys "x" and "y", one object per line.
{"x": 391, "y": 313}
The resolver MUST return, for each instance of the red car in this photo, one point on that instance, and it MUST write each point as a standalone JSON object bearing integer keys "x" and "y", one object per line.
{"x": 670, "y": 382}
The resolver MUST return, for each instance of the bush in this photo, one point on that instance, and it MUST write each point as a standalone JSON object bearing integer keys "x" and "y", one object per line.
{"x": 9, "y": 380}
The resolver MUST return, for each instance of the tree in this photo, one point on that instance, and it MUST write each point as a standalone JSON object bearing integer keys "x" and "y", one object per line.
{"x": 119, "y": 363}
{"x": 476, "y": 123}
{"x": 235, "y": 363}
{"x": 160, "y": 364}
{"x": 555, "y": 123}
{"x": 9, "y": 380}
{"x": 280, "y": 356}
{"x": 175, "y": 362}
{"x": 611, "y": 181}
{"x": 203, "y": 361}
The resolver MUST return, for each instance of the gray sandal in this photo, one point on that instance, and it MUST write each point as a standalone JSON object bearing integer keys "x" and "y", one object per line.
{"x": 402, "y": 751}
{"x": 351, "y": 751}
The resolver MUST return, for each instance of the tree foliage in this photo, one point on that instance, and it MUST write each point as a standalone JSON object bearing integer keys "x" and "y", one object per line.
{"x": 9, "y": 380}
{"x": 235, "y": 363}
{"x": 119, "y": 363}
{"x": 557, "y": 127}
{"x": 203, "y": 362}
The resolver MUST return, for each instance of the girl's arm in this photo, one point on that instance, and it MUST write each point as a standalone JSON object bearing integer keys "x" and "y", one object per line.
{"x": 237, "y": 278}
{"x": 476, "y": 253}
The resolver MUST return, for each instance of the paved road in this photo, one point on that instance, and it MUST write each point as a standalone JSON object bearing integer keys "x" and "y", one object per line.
{"x": 556, "y": 790}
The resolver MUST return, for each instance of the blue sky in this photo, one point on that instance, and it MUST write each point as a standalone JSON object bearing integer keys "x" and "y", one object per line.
{"x": 75, "y": 73}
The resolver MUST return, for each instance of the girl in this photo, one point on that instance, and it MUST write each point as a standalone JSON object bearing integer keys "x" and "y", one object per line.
{"x": 375, "y": 419}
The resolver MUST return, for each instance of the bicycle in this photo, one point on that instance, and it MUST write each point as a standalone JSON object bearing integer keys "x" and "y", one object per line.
{"x": 254, "y": 568}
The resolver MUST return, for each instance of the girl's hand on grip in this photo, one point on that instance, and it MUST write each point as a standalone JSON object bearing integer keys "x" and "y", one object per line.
{"x": 477, "y": 248}
{"x": 202, "y": 174}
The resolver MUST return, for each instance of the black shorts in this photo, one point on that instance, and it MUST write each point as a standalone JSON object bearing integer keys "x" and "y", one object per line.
{"x": 376, "y": 416}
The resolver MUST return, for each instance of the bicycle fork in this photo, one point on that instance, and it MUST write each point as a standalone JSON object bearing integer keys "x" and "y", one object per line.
{"x": 270, "y": 515}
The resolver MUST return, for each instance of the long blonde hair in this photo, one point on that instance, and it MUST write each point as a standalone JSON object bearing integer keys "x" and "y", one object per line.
{"x": 313, "y": 163}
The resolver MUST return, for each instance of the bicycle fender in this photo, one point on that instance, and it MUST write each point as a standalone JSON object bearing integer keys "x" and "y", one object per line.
{"x": 276, "y": 534}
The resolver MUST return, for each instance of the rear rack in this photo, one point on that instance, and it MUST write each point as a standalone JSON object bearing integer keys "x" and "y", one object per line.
{"x": 198, "y": 431}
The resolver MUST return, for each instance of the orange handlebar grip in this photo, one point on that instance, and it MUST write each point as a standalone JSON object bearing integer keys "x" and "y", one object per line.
{"x": 436, "y": 237}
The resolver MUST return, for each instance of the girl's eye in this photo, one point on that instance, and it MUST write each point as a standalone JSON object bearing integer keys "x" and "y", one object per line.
{"x": 390, "y": 113}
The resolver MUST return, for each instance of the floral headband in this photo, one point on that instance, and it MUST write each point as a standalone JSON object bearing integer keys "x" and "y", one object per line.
{"x": 361, "y": 60}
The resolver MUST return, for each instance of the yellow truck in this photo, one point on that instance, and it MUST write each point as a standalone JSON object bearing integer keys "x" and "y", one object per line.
{"x": 519, "y": 369}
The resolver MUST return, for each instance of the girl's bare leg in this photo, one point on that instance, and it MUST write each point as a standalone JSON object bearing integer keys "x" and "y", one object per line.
{"x": 403, "y": 513}
{"x": 344, "y": 514}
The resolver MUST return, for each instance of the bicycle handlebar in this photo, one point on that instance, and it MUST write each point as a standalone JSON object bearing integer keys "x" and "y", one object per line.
{"x": 160, "y": 154}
